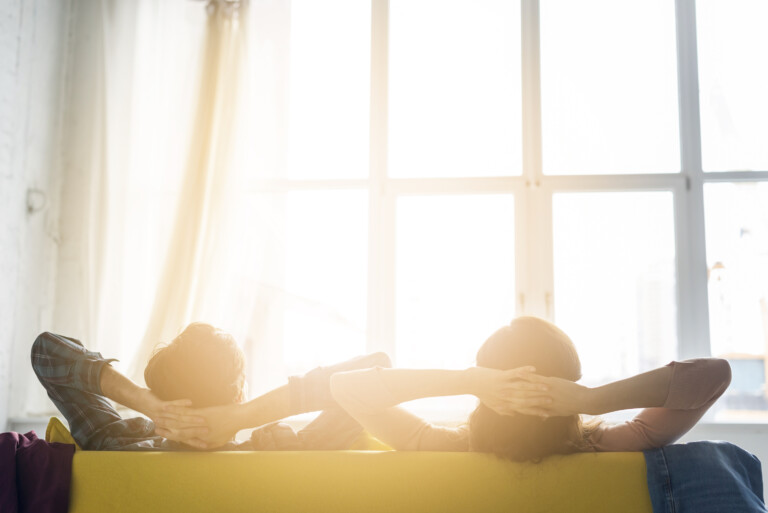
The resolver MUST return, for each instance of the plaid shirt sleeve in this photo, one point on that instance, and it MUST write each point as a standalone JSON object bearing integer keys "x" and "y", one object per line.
{"x": 71, "y": 376}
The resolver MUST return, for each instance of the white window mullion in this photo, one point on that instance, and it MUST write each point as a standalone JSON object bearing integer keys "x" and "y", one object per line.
{"x": 381, "y": 238}
{"x": 534, "y": 248}
{"x": 737, "y": 176}
{"x": 522, "y": 236}
{"x": 541, "y": 259}
{"x": 693, "y": 307}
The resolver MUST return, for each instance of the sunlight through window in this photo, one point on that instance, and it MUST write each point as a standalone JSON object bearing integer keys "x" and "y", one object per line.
{"x": 455, "y": 100}
{"x": 609, "y": 87}
{"x": 737, "y": 261}
{"x": 329, "y": 89}
{"x": 615, "y": 293}
{"x": 732, "y": 84}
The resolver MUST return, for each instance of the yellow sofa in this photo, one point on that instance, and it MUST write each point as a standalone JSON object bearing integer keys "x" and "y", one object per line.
{"x": 352, "y": 481}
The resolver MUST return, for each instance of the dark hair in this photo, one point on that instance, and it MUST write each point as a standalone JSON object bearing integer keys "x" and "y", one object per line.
{"x": 536, "y": 342}
{"x": 202, "y": 363}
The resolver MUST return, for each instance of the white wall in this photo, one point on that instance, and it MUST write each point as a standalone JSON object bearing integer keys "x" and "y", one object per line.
{"x": 33, "y": 36}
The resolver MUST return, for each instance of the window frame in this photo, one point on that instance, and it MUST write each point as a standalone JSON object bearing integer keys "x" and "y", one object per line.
{"x": 533, "y": 190}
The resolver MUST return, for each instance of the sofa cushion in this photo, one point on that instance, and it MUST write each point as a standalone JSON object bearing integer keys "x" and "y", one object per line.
{"x": 351, "y": 481}
{"x": 58, "y": 432}
{"x": 355, "y": 481}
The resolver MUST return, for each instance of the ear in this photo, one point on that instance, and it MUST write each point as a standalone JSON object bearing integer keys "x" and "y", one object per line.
{"x": 243, "y": 395}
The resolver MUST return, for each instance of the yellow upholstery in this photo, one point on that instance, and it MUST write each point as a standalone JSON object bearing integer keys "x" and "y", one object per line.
{"x": 58, "y": 432}
{"x": 355, "y": 481}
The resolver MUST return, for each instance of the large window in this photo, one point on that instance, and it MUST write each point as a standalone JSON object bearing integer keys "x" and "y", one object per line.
{"x": 453, "y": 164}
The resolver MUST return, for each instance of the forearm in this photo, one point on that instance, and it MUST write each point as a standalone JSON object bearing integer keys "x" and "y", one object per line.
{"x": 269, "y": 407}
{"x": 371, "y": 396}
{"x": 410, "y": 384}
{"x": 646, "y": 390}
{"x": 373, "y": 389}
{"x": 122, "y": 390}
{"x": 693, "y": 387}
{"x": 686, "y": 385}
{"x": 310, "y": 392}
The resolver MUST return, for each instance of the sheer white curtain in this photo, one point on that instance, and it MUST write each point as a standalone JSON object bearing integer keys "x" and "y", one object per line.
{"x": 176, "y": 111}
{"x": 170, "y": 106}
{"x": 130, "y": 93}
{"x": 193, "y": 282}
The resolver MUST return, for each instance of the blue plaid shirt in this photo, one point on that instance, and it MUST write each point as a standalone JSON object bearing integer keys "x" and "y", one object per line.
{"x": 72, "y": 377}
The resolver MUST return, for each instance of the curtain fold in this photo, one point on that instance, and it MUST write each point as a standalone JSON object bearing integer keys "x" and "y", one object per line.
{"x": 170, "y": 108}
{"x": 96, "y": 153}
{"x": 191, "y": 270}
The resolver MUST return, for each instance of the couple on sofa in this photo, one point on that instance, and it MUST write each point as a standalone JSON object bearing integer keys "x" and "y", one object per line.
{"x": 525, "y": 379}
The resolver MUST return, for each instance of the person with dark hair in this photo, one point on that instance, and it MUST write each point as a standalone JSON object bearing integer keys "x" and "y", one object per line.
{"x": 530, "y": 405}
{"x": 203, "y": 368}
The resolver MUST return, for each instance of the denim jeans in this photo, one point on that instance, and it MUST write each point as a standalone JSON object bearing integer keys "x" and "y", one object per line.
{"x": 704, "y": 477}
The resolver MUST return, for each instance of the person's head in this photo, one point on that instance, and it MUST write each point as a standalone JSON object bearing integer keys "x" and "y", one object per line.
{"x": 528, "y": 341}
{"x": 202, "y": 363}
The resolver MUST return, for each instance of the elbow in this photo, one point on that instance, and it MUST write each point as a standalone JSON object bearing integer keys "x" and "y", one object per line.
{"x": 339, "y": 388}
{"x": 380, "y": 359}
{"x": 360, "y": 391}
{"x": 720, "y": 372}
{"x": 345, "y": 386}
{"x": 38, "y": 350}
{"x": 698, "y": 383}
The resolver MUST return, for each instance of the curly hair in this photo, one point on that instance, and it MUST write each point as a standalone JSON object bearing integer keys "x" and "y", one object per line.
{"x": 202, "y": 363}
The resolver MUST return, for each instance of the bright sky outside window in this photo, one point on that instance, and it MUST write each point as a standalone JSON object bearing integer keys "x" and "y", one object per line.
{"x": 454, "y": 85}
{"x": 614, "y": 261}
{"x": 454, "y": 276}
{"x": 330, "y": 51}
{"x": 737, "y": 261}
{"x": 455, "y": 282}
{"x": 609, "y": 87}
{"x": 733, "y": 45}
{"x": 326, "y": 256}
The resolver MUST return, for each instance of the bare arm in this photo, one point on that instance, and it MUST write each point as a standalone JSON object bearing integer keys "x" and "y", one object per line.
{"x": 410, "y": 384}
{"x": 646, "y": 390}
{"x": 694, "y": 387}
{"x": 371, "y": 397}
{"x": 223, "y": 422}
{"x": 310, "y": 392}
{"x": 122, "y": 390}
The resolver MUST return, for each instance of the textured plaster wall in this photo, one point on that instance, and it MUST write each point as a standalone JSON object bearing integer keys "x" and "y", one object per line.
{"x": 33, "y": 42}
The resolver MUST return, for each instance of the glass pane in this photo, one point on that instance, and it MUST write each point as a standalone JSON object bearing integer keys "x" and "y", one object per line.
{"x": 614, "y": 265}
{"x": 609, "y": 87}
{"x": 301, "y": 263}
{"x": 326, "y": 275}
{"x": 454, "y": 86}
{"x": 732, "y": 42}
{"x": 455, "y": 276}
{"x": 737, "y": 258}
{"x": 329, "y": 89}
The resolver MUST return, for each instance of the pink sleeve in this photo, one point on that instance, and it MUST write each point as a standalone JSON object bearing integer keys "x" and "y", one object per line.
{"x": 694, "y": 387}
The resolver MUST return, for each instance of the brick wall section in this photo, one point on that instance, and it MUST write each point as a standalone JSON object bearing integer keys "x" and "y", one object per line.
{"x": 33, "y": 42}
